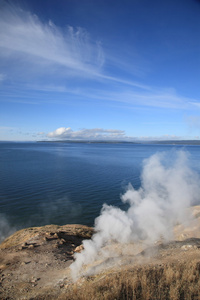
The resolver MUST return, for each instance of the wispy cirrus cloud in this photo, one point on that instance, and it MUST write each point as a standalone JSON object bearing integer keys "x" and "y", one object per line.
{"x": 84, "y": 134}
{"x": 42, "y": 48}
{"x": 195, "y": 103}
{"x": 153, "y": 98}
{"x": 24, "y": 36}
{"x": 44, "y": 57}
{"x": 160, "y": 98}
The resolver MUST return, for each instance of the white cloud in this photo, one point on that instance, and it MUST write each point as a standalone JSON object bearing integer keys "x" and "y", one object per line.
{"x": 39, "y": 48}
{"x": 31, "y": 47}
{"x": 195, "y": 103}
{"x": 66, "y": 133}
{"x": 163, "y": 98}
{"x": 92, "y": 134}
{"x": 25, "y": 37}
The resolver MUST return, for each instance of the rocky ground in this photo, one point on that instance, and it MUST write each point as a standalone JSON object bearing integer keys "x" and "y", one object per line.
{"x": 34, "y": 262}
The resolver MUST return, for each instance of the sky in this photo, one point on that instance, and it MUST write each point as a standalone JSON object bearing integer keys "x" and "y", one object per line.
{"x": 99, "y": 69}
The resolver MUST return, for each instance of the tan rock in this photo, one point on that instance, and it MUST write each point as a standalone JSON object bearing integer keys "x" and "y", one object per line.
{"x": 188, "y": 247}
{"x": 3, "y": 267}
{"x": 79, "y": 249}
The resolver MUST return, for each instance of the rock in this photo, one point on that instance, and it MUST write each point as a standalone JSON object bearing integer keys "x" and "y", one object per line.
{"x": 23, "y": 246}
{"x": 34, "y": 279}
{"x": 55, "y": 236}
{"x": 25, "y": 263}
{"x": 56, "y": 245}
{"x": 3, "y": 267}
{"x": 188, "y": 247}
{"x": 182, "y": 236}
{"x": 79, "y": 249}
{"x": 33, "y": 284}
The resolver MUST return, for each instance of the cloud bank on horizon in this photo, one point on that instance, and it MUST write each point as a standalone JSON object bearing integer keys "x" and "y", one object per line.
{"x": 98, "y": 76}
{"x": 96, "y": 134}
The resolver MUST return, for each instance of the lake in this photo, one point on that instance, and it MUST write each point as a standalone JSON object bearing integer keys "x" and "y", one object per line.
{"x": 64, "y": 183}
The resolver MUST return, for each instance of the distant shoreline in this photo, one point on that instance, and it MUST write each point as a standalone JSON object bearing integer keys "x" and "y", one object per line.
{"x": 165, "y": 142}
{"x": 152, "y": 142}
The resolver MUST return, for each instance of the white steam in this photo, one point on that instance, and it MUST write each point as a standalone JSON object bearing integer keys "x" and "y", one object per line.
{"x": 5, "y": 228}
{"x": 168, "y": 187}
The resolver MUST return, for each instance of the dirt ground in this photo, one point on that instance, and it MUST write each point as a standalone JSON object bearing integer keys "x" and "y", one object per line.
{"x": 34, "y": 262}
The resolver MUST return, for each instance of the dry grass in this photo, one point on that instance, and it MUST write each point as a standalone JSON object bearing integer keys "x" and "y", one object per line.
{"x": 169, "y": 281}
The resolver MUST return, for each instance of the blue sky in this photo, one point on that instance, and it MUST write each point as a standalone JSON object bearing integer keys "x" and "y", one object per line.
{"x": 80, "y": 69}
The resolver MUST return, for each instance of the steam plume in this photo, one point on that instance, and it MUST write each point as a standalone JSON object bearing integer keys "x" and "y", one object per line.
{"x": 5, "y": 228}
{"x": 168, "y": 187}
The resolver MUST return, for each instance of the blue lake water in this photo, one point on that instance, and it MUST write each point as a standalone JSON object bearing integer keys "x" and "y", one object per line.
{"x": 63, "y": 183}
